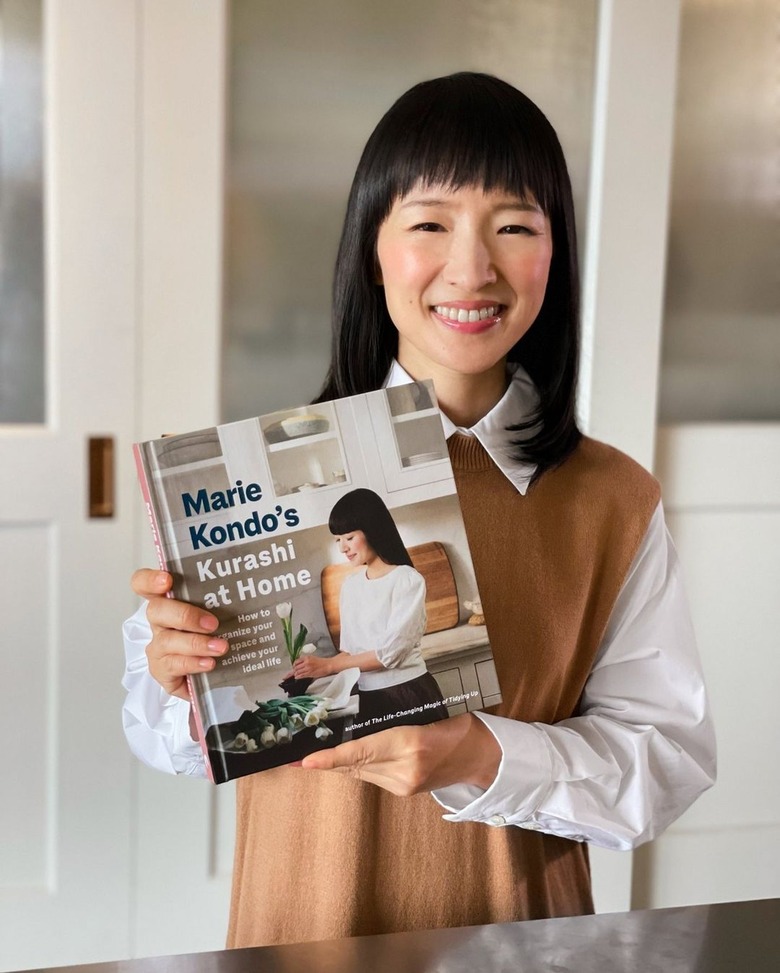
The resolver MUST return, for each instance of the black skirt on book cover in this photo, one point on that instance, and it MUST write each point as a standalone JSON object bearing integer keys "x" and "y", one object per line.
{"x": 411, "y": 703}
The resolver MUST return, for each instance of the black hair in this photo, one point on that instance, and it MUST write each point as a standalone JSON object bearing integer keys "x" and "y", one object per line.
{"x": 467, "y": 129}
{"x": 365, "y": 510}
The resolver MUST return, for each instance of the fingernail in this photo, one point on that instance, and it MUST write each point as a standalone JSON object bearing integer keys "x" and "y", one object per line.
{"x": 217, "y": 646}
{"x": 208, "y": 622}
{"x": 161, "y": 579}
{"x": 206, "y": 663}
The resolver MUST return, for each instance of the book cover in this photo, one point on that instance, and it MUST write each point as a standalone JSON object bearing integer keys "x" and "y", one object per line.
{"x": 332, "y": 532}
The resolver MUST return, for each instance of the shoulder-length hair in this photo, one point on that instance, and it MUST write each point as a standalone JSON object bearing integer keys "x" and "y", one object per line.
{"x": 365, "y": 510}
{"x": 466, "y": 129}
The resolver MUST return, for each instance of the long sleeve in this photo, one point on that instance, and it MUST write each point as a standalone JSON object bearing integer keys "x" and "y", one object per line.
{"x": 406, "y": 621}
{"x": 642, "y": 748}
{"x": 156, "y": 725}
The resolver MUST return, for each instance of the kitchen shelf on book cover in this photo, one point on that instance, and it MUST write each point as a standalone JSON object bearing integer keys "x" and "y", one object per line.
{"x": 329, "y": 542}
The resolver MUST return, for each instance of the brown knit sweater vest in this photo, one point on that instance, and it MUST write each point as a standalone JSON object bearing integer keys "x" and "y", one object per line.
{"x": 320, "y": 855}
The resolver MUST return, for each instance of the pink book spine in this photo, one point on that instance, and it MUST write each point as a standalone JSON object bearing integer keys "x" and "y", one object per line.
{"x": 150, "y": 510}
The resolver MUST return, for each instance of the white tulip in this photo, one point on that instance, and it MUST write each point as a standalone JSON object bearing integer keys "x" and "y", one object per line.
{"x": 283, "y": 735}
{"x": 323, "y": 732}
{"x": 268, "y": 737}
{"x": 309, "y": 649}
{"x": 284, "y": 609}
{"x": 312, "y": 718}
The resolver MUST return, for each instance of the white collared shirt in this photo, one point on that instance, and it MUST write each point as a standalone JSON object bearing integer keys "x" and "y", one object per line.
{"x": 641, "y": 750}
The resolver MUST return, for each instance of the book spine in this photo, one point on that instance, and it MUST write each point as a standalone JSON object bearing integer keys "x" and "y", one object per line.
{"x": 143, "y": 479}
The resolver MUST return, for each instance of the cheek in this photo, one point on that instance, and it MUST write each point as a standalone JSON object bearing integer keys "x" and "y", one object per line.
{"x": 534, "y": 274}
{"x": 403, "y": 272}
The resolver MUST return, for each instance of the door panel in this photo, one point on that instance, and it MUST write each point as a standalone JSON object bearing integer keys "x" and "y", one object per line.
{"x": 66, "y": 807}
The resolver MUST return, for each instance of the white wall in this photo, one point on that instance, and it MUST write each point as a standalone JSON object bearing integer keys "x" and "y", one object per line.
{"x": 723, "y": 505}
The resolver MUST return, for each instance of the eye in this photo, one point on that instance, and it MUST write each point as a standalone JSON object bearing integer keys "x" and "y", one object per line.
{"x": 429, "y": 227}
{"x": 514, "y": 228}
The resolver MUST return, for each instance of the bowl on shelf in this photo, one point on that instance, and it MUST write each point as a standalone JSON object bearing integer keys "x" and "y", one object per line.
{"x": 309, "y": 424}
{"x": 418, "y": 458}
{"x": 188, "y": 448}
{"x": 275, "y": 434}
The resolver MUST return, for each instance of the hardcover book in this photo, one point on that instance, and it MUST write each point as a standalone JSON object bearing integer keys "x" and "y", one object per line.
{"x": 328, "y": 540}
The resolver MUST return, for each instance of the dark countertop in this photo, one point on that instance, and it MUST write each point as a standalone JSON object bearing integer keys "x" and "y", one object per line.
{"x": 738, "y": 937}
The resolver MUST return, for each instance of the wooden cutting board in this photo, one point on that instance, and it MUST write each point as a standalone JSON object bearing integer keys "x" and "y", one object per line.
{"x": 441, "y": 602}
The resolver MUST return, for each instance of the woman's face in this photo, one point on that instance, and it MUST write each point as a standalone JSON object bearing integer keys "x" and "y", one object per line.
{"x": 464, "y": 273}
{"x": 356, "y": 548}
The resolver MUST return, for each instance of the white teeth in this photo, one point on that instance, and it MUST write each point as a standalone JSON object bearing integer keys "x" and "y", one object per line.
{"x": 462, "y": 316}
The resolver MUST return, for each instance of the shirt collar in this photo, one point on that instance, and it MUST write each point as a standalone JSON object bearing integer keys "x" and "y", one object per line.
{"x": 518, "y": 402}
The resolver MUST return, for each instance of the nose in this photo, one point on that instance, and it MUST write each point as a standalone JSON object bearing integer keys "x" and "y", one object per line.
{"x": 470, "y": 264}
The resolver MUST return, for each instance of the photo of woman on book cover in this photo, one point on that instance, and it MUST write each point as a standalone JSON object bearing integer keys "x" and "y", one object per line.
{"x": 382, "y": 614}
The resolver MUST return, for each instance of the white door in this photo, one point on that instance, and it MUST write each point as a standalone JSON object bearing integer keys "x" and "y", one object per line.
{"x": 65, "y": 802}
{"x": 183, "y": 832}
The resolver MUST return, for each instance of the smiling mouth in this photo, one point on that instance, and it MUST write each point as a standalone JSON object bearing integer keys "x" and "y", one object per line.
{"x": 461, "y": 315}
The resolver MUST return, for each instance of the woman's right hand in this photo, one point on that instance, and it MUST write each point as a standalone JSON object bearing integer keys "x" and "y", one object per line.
{"x": 181, "y": 642}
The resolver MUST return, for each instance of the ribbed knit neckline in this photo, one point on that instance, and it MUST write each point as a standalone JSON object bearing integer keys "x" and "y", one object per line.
{"x": 467, "y": 454}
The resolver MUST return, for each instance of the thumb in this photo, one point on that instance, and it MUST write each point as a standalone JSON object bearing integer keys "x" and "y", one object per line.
{"x": 343, "y": 757}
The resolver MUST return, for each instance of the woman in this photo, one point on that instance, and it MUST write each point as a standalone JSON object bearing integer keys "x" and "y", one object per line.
{"x": 382, "y": 614}
{"x": 458, "y": 263}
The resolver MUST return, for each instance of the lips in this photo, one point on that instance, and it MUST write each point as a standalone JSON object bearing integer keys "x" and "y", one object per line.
{"x": 469, "y": 317}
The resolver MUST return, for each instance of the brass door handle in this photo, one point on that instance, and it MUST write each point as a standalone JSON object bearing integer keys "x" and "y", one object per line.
{"x": 101, "y": 476}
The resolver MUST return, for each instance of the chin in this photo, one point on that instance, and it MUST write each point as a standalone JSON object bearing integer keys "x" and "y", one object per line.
{"x": 473, "y": 364}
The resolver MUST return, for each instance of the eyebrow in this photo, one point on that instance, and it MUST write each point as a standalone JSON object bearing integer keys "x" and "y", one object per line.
{"x": 517, "y": 205}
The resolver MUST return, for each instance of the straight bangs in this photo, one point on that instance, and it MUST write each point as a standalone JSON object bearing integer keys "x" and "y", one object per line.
{"x": 344, "y": 520}
{"x": 467, "y": 130}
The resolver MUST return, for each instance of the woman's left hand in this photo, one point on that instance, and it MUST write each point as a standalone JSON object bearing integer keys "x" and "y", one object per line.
{"x": 311, "y": 667}
{"x": 411, "y": 759}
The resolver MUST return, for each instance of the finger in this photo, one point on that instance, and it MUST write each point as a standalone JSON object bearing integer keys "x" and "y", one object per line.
{"x": 169, "y": 613}
{"x": 148, "y": 583}
{"x": 171, "y": 642}
{"x": 171, "y": 670}
{"x": 346, "y": 756}
{"x": 351, "y": 763}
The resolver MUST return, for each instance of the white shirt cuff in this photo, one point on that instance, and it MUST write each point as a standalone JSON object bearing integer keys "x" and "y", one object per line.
{"x": 187, "y": 756}
{"x": 523, "y": 780}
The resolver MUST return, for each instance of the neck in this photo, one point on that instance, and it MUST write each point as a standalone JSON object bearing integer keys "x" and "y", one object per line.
{"x": 464, "y": 399}
{"x": 376, "y": 568}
